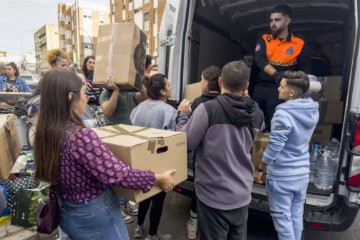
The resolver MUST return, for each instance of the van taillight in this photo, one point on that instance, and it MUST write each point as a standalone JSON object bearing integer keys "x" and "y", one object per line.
{"x": 357, "y": 134}
{"x": 354, "y": 178}
{"x": 317, "y": 225}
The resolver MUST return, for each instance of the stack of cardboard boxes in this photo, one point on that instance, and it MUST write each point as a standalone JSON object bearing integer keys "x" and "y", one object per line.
{"x": 330, "y": 108}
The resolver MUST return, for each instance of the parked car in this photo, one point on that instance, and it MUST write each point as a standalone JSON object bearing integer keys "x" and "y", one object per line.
{"x": 196, "y": 34}
{"x": 31, "y": 79}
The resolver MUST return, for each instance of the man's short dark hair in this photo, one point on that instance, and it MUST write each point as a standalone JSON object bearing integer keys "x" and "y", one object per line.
{"x": 297, "y": 79}
{"x": 148, "y": 61}
{"x": 235, "y": 75}
{"x": 283, "y": 9}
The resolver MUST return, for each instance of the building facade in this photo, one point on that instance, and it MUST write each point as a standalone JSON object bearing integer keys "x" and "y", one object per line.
{"x": 147, "y": 14}
{"x": 45, "y": 39}
{"x": 78, "y": 28}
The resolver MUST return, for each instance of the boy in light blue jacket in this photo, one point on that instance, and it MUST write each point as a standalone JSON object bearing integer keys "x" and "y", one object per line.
{"x": 287, "y": 155}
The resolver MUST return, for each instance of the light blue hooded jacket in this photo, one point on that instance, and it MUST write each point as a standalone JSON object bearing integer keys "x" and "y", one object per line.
{"x": 292, "y": 126}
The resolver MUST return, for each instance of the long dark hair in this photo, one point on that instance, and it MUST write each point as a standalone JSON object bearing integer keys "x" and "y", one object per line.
{"x": 84, "y": 65}
{"x": 154, "y": 84}
{"x": 13, "y": 66}
{"x": 55, "y": 113}
{"x": 212, "y": 74}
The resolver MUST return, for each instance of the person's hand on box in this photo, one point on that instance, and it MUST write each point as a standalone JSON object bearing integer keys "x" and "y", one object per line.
{"x": 185, "y": 106}
{"x": 110, "y": 83}
{"x": 165, "y": 180}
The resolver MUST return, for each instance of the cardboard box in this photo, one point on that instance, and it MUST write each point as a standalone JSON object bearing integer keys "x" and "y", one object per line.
{"x": 120, "y": 51}
{"x": 193, "y": 91}
{"x": 258, "y": 148}
{"x": 331, "y": 89}
{"x": 147, "y": 149}
{"x": 9, "y": 144}
{"x": 331, "y": 112}
{"x": 322, "y": 134}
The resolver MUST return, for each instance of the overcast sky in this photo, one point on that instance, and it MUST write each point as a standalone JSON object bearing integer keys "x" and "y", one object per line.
{"x": 20, "y": 19}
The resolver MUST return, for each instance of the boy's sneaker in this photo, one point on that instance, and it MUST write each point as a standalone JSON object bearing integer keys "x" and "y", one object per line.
{"x": 139, "y": 231}
{"x": 191, "y": 229}
{"x": 127, "y": 218}
{"x": 130, "y": 208}
{"x": 160, "y": 236}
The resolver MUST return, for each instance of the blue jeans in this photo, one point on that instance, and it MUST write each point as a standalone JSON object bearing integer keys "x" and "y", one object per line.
{"x": 99, "y": 218}
{"x": 286, "y": 199}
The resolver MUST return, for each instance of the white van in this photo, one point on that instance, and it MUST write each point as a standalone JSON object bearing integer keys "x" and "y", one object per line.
{"x": 198, "y": 33}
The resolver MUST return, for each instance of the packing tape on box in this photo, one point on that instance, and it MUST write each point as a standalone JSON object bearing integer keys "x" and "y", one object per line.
{"x": 103, "y": 39}
{"x": 110, "y": 56}
{"x": 121, "y": 131}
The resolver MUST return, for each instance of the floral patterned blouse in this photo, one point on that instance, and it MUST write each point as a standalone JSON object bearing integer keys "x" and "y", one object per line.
{"x": 87, "y": 166}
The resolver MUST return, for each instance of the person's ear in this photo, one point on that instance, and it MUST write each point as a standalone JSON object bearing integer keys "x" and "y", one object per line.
{"x": 163, "y": 92}
{"x": 70, "y": 95}
{"x": 292, "y": 92}
{"x": 220, "y": 82}
{"x": 287, "y": 21}
{"x": 246, "y": 86}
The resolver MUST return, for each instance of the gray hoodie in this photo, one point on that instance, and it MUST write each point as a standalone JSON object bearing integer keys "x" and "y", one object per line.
{"x": 222, "y": 132}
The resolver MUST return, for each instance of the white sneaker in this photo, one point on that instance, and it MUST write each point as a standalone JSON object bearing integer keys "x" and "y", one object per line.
{"x": 127, "y": 218}
{"x": 130, "y": 208}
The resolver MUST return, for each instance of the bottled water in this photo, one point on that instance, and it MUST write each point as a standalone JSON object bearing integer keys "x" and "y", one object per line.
{"x": 314, "y": 155}
{"x": 326, "y": 169}
{"x": 334, "y": 147}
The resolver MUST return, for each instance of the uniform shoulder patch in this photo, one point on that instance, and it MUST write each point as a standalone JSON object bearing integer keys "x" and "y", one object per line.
{"x": 258, "y": 47}
{"x": 289, "y": 50}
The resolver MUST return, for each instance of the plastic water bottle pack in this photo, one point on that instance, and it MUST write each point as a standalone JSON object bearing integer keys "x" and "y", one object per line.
{"x": 314, "y": 156}
{"x": 325, "y": 172}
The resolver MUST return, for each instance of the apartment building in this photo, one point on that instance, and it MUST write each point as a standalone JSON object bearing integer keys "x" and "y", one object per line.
{"x": 45, "y": 39}
{"x": 78, "y": 28}
{"x": 146, "y": 14}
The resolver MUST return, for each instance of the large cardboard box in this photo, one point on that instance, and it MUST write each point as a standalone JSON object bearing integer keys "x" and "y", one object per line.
{"x": 10, "y": 147}
{"x": 146, "y": 149}
{"x": 193, "y": 91}
{"x": 258, "y": 148}
{"x": 120, "y": 51}
{"x": 322, "y": 134}
{"x": 331, "y": 112}
{"x": 331, "y": 89}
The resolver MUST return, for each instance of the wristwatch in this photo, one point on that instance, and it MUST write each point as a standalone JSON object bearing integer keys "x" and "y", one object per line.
{"x": 258, "y": 169}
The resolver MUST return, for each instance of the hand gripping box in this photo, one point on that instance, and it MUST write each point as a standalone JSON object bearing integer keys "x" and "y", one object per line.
{"x": 120, "y": 52}
{"x": 147, "y": 149}
{"x": 9, "y": 144}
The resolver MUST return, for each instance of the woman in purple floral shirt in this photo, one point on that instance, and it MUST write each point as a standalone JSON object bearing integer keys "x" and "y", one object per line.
{"x": 80, "y": 166}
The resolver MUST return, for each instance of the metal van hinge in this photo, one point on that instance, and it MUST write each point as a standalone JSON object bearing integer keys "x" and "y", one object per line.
{"x": 168, "y": 41}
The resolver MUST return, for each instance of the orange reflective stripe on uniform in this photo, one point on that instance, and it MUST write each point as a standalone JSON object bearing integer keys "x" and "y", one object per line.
{"x": 282, "y": 52}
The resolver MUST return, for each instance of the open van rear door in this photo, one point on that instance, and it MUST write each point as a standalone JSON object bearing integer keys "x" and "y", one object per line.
{"x": 171, "y": 47}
